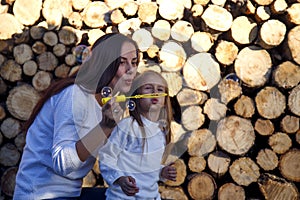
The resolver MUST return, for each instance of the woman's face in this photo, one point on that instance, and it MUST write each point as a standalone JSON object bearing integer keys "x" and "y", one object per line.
{"x": 127, "y": 70}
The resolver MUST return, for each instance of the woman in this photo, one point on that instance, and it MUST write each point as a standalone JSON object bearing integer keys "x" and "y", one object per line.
{"x": 69, "y": 123}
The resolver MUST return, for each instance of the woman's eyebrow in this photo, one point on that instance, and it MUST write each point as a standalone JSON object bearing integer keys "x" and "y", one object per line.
{"x": 135, "y": 58}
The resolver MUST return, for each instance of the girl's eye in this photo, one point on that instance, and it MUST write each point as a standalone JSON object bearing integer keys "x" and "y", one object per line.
{"x": 148, "y": 88}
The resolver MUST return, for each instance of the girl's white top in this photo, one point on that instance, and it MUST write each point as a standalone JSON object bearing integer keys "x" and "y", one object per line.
{"x": 124, "y": 155}
{"x": 50, "y": 166}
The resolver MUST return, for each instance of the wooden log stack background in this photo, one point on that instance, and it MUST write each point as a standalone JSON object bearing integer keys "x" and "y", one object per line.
{"x": 232, "y": 65}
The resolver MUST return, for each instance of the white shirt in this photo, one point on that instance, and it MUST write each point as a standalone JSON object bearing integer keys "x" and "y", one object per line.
{"x": 50, "y": 166}
{"x": 123, "y": 155}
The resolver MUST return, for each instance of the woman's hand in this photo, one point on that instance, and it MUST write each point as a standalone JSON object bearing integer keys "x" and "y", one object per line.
{"x": 128, "y": 185}
{"x": 111, "y": 113}
{"x": 169, "y": 172}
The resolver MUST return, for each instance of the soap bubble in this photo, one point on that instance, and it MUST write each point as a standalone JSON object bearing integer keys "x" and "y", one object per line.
{"x": 233, "y": 77}
{"x": 131, "y": 105}
{"x": 106, "y": 91}
{"x": 81, "y": 53}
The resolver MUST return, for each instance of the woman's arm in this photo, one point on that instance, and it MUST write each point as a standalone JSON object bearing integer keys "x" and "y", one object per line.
{"x": 96, "y": 138}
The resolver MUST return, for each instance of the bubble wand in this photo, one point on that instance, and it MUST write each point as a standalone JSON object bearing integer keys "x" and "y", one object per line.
{"x": 122, "y": 98}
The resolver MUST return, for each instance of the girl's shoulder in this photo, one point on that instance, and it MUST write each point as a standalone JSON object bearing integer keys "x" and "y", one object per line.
{"x": 128, "y": 125}
{"x": 125, "y": 122}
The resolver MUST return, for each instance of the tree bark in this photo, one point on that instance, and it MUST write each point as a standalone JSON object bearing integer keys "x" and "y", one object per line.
{"x": 294, "y": 101}
{"x": 244, "y": 171}
{"x": 8, "y": 181}
{"x": 226, "y": 52}
{"x": 254, "y": 73}
{"x": 21, "y": 101}
{"x": 181, "y": 173}
{"x": 274, "y": 187}
{"x": 287, "y": 75}
{"x": 244, "y": 107}
{"x": 22, "y": 53}
{"x": 264, "y": 127}
{"x": 9, "y": 155}
{"x": 167, "y": 192}
{"x": 270, "y": 102}
{"x": 201, "y": 75}
{"x": 230, "y": 191}
{"x": 214, "y": 109}
{"x": 213, "y": 13}
{"x": 27, "y": 12}
{"x": 244, "y": 30}
{"x": 201, "y": 142}
{"x": 235, "y": 135}
{"x": 267, "y": 159}
{"x": 280, "y": 142}
{"x": 218, "y": 163}
{"x": 41, "y": 80}
{"x": 192, "y": 123}
{"x": 93, "y": 14}
{"x": 30, "y": 68}
{"x": 290, "y": 124}
{"x": 289, "y": 165}
{"x": 10, "y": 127}
{"x": 197, "y": 163}
{"x": 202, "y": 186}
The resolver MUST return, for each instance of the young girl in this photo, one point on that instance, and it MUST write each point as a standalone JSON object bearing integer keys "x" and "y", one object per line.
{"x": 130, "y": 162}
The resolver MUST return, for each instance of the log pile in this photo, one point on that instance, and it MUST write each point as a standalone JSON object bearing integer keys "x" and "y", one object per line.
{"x": 233, "y": 66}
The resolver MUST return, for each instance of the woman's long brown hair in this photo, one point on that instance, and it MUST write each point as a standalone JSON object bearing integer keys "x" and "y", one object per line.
{"x": 95, "y": 73}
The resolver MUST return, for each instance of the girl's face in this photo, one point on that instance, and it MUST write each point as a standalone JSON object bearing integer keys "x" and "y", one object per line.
{"x": 152, "y": 84}
{"x": 127, "y": 70}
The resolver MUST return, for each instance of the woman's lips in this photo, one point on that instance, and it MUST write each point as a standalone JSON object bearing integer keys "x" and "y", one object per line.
{"x": 128, "y": 81}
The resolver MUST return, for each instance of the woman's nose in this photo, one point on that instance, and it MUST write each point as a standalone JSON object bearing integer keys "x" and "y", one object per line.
{"x": 129, "y": 68}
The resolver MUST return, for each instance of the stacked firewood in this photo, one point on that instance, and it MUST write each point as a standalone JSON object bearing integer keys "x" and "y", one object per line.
{"x": 232, "y": 66}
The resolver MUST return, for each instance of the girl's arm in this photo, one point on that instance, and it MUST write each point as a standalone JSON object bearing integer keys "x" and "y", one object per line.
{"x": 109, "y": 155}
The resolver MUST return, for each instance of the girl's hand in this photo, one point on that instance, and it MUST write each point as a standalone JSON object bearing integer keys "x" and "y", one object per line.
{"x": 169, "y": 172}
{"x": 128, "y": 185}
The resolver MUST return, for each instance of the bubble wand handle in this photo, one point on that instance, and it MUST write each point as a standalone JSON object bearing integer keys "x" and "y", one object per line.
{"x": 122, "y": 98}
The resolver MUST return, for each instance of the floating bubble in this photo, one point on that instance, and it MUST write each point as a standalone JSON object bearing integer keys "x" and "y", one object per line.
{"x": 106, "y": 91}
{"x": 232, "y": 76}
{"x": 81, "y": 53}
{"x": 131, "y": 105}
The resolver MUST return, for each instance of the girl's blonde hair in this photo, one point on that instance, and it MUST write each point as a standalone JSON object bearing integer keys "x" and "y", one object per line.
{"x": 166, "y": 114}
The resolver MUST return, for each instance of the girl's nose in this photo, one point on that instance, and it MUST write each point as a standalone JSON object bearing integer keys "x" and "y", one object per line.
{"x": 156, "y": 90}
